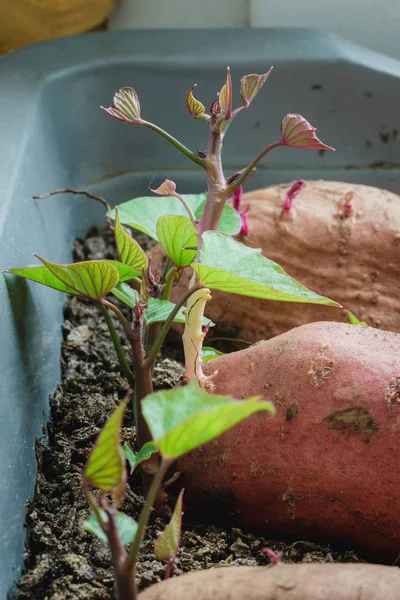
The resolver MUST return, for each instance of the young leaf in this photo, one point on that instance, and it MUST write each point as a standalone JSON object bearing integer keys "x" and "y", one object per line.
{"x": 143, "y": 213}
{"x": 208, "y": 353}
{"x": 230, "y": 266}
{"x": 135, "y": 459}
{"x": 296, "y": 132}
{"x": 125, "y": 271}
{"x": 251, "y": 85}
{"x": 92, "y": 279}
{"x": 126, "y": 294}
{"x": 195, "y": 108}
{"x": 166, "y": 545}
{"x": 354, "y": 321}
{"x": 176, "y": 233}
{"x": 129, "y": 251}
{"x": 225, "y": 96}
{"x": 105, "y": 468}
{"x": 126, "y": 527}
{"x": 184, "y": 418}
{"x": 125, "y": 107}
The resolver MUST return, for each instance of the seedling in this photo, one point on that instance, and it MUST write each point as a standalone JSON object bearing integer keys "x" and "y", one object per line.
{"x": 194, "y": 230}
{"x": 179, "y": 421}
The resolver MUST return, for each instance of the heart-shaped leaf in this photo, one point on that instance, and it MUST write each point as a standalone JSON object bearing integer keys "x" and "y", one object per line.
{"x": 126, "y": 527}
{"x": 230, "y": 266}
{"x": 105, "y": 468}
{"x": 129, "y": 251}
{"x": 184, "y": 418}
{"x": 296, "y": 132}
{"x": 125, "y": 107}
{"x": 176, "y": 233}
{"x": 166, "y": 545}
{"x": 92, "y": 279}
{"x": 143, "y": 213}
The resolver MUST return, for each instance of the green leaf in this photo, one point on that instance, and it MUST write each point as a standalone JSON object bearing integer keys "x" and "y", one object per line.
{"x": 143, "y": 213}
{"x": 354, "y": 321}
{"x": 92, "y": 279}
{"x": 230, "y": 266}
{"x": 105, "y": 468}
{"x": 125, "y": 271}
{"x": 129, "y": 251}
{"x": 159, "y": 311}
{"x": 184, "y": 418}
{"x": 126, "y": 527}
{"x": 166, "y": 545}
{"x": 126, "y": 294}
{"x": 135, "y": 459}
{"x": 175, "y": 233}
{"x": 208, "y": 353}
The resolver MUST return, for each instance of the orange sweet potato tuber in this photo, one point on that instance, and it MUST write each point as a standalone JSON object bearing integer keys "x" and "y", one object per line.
{"x": 340, "y": 240}
{"x": 283, "y": 582}
{"x": 326, "y": 466}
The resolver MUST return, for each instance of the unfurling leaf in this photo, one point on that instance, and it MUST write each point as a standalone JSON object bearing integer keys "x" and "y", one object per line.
{"x": 168, "y": 188}
{"x": 129, "y": 251}
{"x": 296, "y": 132}
{"x": 126, "y": 294}
{"x": 195, "y": 108}
{"x": 251, "y": 85}
{"x": 92, "y": 279}
{"x": 125, "y": 107}
{"x": 176, "y": 233}
{"x": 184, "y": 418}
{"x": 227, "y": 265}
{"x": 105, "y": 468}
{"x": 166, "y": 545}
{"x": 126, "y": 527}
{"x": 354, "y": 321}
{"x": 144, "y": 453}
{"x": 225, "y": 96}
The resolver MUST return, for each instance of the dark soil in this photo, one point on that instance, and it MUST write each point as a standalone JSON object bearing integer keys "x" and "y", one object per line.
{"x": 62, "y": 561}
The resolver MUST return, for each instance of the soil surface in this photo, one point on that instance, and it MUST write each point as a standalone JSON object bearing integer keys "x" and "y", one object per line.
{"x": 63, "y": 562}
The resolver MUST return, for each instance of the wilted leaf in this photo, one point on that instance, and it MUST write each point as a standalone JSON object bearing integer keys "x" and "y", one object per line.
{"x": 296, "y": 132}
{"x": 129, "y": 251}
{"x": 166, "y": 545}
{"x": 176, "y": 233}
{"x": 167, "y": 188}
{"x": 126, "y": 527}
{"x": 105, "y": 468}
{"x": 125, "y": 107}
{"x": 230, "y": 266}
{"x": 186, "y": 417}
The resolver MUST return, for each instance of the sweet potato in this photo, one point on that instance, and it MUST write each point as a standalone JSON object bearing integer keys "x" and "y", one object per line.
{"x": 283, "y": 582}
{"x": 350, "y": 254}
{"x": 326, "y": 466}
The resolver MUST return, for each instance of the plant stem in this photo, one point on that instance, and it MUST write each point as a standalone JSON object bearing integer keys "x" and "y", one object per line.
{"x": 216, "y": 186}
{"x": 191, "y": 155}
{"x": 169, "y": 281}
{"x": 118, "y": 348}
{"x": 124, "y": 580}
{"x": 82, "y": 193}
{"x": 152, "y": 355}
{"x": 120, "y": 317}
{"x": 132, "y": 558}
{"x": 247, "y": 171}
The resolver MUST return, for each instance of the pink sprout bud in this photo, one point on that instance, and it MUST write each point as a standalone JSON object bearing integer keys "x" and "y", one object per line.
{"x": 292, "y": 192}
{"x": 347, "y": 202}
{"x": 274, "y": 557}
{"x": 237, "y": 198}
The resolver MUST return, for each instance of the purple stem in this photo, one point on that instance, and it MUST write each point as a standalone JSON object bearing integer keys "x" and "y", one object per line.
{"x": 290, "y": 194}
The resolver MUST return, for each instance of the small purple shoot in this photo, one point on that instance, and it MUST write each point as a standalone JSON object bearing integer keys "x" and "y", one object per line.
{"x": 274, "y": 557}
{"x": 237, "y": 198}
{"x": 292, "y": 193}
{"x": 296, "y": 132}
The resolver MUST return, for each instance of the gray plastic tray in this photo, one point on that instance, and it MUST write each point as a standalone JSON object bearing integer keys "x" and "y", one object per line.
{"x": 54, "y": 135}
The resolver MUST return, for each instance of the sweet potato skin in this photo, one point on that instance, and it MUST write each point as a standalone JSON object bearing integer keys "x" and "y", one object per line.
{"x": 326, "y": 466}
{"x": 352, "y": 257}
{"x": 283, "y": 582}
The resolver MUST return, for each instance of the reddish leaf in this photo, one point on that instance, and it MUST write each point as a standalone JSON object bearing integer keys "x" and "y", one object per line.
{"x": 225, "y": 96}
{"x": 296, "y": 132}
{"x": 195, "y": 108}
{"x": 251, "y": 85}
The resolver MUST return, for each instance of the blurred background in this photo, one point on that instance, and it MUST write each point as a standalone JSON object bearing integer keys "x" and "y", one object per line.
{"x": 375, "y": 25}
